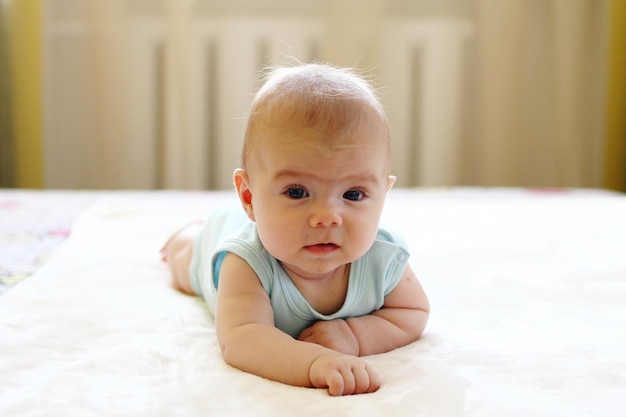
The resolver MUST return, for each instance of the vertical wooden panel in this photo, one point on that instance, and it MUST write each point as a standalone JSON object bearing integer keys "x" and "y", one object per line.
{"x": 615, "y": 142}
{"x": 25, "y": 57}
{"x": 7, "y": 176}
{"x": 501, "y": 27}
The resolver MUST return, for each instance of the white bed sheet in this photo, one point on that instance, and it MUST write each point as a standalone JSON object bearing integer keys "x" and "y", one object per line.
{"x": 528, "y": 294}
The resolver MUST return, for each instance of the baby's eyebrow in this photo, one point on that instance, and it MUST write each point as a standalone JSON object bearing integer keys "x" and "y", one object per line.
{"x": 356, "y": 178}
{"x": 289, "y": 173}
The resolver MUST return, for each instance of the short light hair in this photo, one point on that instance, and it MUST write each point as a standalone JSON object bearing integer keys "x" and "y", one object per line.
{"x": 326, "y": 99}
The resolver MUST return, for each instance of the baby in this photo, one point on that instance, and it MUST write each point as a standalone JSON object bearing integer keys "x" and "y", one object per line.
{"x": 303, "y": 282}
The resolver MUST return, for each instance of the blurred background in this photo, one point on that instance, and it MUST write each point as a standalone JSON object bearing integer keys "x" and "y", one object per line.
{"x": 152, "y": 94}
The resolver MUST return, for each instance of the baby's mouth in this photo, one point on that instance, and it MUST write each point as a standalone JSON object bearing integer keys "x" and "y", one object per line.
{"x": 322, "y": 248}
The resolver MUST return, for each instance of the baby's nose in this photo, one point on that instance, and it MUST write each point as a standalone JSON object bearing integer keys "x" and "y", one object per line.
{"x": 326, "y": 215}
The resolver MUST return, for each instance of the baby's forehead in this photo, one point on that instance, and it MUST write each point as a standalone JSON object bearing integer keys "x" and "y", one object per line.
{"x": 299, "y": 153}
{"x": 289, "y": 144}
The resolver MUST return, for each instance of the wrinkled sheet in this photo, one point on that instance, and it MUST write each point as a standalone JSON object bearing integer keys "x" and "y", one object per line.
{"x": 528, "y": 295}
{"x": 32, "y": 225}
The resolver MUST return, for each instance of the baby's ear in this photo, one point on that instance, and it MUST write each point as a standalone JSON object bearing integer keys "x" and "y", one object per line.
{"x": 242, "y": 185}
{"x": 390, "y": 182}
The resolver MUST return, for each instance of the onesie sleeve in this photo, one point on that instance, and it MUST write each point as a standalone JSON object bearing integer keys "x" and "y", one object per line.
{"x": 396, "y": 252}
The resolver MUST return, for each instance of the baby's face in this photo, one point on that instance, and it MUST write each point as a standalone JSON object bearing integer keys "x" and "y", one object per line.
{"x": 316, "y": 207}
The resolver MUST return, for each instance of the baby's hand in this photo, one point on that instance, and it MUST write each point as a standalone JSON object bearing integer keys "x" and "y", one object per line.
{"x": 334, "y": 334}
{"x": 343, "y": 374}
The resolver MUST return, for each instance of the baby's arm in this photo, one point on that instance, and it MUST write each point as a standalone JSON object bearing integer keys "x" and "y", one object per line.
{"x": 250, "y": 341}
{"x": 400, "y": 321}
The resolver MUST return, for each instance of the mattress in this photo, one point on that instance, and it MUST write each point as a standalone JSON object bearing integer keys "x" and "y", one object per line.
{"x": 527, "y": 291}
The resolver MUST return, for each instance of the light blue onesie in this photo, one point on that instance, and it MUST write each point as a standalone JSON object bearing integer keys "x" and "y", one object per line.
{"x": 372, "y": 277}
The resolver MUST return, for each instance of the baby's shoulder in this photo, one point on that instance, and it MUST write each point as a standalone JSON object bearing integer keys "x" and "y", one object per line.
{"x": 389, "y": 235}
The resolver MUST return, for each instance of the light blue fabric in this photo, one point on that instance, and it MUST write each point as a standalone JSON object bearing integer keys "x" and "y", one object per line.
{"x": 372, "y": 277}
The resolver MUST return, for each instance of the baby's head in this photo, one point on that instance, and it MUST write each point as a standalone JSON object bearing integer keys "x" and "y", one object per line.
{"x": 315, "y": 167}
{"x": 333, "y": 105}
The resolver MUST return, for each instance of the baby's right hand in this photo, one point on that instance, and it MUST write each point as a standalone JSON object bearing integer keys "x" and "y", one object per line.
{"x": 343, "y": 374}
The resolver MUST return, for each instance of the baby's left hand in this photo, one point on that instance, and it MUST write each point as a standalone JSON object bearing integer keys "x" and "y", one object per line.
{"x": 333, "y": 334}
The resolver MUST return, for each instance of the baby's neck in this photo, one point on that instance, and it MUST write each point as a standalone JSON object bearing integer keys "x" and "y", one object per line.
{"x": 325, "y": 294}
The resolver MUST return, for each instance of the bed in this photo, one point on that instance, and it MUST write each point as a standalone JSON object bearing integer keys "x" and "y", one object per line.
{"x": 527, "y": 287}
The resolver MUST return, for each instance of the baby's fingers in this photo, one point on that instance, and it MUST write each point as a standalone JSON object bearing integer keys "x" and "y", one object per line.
{"x": 353, "y": 380}
{"x": 343, "y": 375}
{"x": 365, "y": 380}
{"x": 335, "y": 383}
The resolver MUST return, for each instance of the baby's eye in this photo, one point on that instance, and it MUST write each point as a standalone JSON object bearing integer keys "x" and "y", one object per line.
{"x": 296, "y": 193}
{"x": 353, "y": 195}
